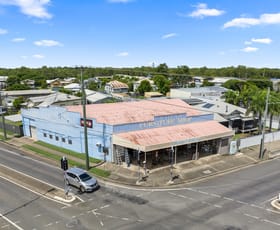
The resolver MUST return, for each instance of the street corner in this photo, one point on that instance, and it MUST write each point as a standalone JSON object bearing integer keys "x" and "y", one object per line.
{"x": 61, "y": 196}
{"x": 66, "y": 198}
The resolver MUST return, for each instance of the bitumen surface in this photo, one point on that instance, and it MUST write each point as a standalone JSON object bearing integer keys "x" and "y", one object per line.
{"x": 163, "y": 177}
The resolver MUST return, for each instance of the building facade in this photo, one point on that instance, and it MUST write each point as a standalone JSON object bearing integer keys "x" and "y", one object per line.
{"x": 153, "y": 131}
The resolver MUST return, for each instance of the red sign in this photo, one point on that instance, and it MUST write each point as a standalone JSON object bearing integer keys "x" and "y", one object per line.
{"x": 88, "y": 123}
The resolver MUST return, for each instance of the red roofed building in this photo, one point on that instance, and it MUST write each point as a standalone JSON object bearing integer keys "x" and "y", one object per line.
{"x": 157, "y": 132}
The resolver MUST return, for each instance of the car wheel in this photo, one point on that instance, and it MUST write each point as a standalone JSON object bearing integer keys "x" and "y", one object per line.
{"x": 82, "y": 189}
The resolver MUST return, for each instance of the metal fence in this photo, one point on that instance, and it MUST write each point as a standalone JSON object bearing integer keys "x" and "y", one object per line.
{"x": 15, "y": 129}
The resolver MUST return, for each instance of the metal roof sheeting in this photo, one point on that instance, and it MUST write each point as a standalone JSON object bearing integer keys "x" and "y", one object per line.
{"x": 134, "y": 112}
{"x": 159, "y": 138}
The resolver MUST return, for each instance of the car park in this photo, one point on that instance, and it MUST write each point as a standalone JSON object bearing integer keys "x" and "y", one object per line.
{"x": 79, "y": 178}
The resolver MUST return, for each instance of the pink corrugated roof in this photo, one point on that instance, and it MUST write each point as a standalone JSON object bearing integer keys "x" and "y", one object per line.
{"x": 178, "y": 133}
{"x": 133, "y": 112}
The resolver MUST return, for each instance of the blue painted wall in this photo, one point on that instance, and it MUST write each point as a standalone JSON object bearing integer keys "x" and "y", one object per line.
{"x": 57, "y": 126}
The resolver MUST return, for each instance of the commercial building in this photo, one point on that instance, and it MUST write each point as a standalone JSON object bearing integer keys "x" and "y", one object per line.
{"x": 155, "y": 131}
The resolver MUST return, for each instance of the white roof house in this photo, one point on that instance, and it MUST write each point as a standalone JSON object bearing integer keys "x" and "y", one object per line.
{"x": 74, "y": 87}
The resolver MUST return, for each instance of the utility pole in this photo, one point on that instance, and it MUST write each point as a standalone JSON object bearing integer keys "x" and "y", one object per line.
{"x": 3, "y": 117}
{"x": 85, "y": 120}
{"x": 264, "y": 124}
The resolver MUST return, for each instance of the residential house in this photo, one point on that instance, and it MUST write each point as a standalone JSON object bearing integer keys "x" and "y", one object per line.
{"x": 28, "y": 82}
{"x": 116, "y": 87}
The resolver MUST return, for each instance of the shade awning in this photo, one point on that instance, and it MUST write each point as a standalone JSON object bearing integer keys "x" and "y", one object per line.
{"x": 164, "y": 137}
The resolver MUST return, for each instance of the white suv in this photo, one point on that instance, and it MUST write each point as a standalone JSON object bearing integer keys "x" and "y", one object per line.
{"x": 81, "y": 179}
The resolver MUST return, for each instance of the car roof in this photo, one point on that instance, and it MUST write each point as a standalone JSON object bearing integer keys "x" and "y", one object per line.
{"x": 76, "y": 170}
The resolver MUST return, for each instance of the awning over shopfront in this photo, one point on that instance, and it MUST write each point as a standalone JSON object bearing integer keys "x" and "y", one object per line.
{"x": 165, "y": 137}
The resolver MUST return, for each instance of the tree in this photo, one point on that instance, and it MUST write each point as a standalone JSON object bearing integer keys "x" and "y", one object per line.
{"x": 18, "y": 102}
{"x": 162, "y": 68}
{"x": 207, "y": 83}
{"x": 144, "y": 86}
{"x": 162, "y": 83}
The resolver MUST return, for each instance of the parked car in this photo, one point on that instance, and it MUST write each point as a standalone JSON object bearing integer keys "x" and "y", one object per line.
{"x": 79, "y": 178}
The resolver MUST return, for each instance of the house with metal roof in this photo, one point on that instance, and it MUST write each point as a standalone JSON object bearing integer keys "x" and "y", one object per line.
{"x": 116, "y": 87}
{"x": 237, "y": 117}
{"x": 153, "y": 131}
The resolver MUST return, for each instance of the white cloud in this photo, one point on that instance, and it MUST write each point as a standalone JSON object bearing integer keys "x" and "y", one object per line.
{"x": 3, "y": 31}
{"x": 247, "y": 42}
{"x": 34, "y": 8}
{"x": 265, "y": 19}
{"x": 122, "y": 54}
{"x": 24, "y": 57}
{"x": 250, "y": 49}
{"x": 38, "y": 56}
{"x": 47, "y": 43}
{"x": 169, "y": 35}
{"x": 18, "y": 39}
{"x": 203, "y": 11}
{"x": 261, "y": 40}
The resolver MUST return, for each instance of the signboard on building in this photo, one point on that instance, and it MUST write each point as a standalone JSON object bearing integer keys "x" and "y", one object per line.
{"x": 88, "y": 123}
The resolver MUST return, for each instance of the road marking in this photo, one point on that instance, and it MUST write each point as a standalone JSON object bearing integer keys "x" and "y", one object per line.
{"x": 266, "y": 201}
{"x": 271, "y": 222}
{"x": 48, "y": 225}
{"x": 227, "y": 198}
{"x": 256, "y": 206}
{"x": 217, "y": 206}
{"x": 39, "y": 194}
{"x": 11, "y": 222}
{"x": 105, "y": 206}
{"x": 215, "y": 195}
{"x": 5, "y": 226}
{"x": 202, "y": 192}
{"x": 254, "y": 217}
{"x": 274, "y": 211}
{"x": 182, "y": 196}
{"x": 38, "y": 215}
{"x": 241, "y": 202}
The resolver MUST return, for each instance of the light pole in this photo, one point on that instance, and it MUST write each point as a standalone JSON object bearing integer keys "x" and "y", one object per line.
{"x": 2, "y": 112}
{"x": 264, "y": 124}
{"x": 85, "y": 120}
{"x": 171, "y": 163}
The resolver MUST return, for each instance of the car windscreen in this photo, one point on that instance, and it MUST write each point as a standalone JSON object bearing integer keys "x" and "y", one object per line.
{"x": 85, "y": 177}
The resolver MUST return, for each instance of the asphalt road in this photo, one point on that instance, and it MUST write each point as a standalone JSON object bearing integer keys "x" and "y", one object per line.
{"x": 239, "y": 200}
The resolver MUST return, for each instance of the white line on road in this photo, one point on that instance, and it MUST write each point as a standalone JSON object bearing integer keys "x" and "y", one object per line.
{"x": 38, "y": 215}
{"x": 227, "y": 198}
{"x": 271, "y": 222}
{"x": 202, "y": 192}
{"x": 241, "y": 202}
{"x": 256, "y": 206}
{"x": 105, "y": 206}
{"x": 215, "y": 195}
{"x": 5, "y": 226}
{"x": 266, "y": 201}
{"x": 11, "y": 222}
{"x": 254, "y": 217}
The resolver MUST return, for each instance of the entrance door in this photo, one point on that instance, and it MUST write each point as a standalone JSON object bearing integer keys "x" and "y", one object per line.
{"x": 33, "y": 132}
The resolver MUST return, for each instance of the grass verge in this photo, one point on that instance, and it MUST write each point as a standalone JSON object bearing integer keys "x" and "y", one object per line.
{"x": 68, "y": 152}
{"x": 71, "y": 163}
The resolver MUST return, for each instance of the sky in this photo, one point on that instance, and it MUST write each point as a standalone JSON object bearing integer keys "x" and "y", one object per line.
{"x": 135, "y": 33}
